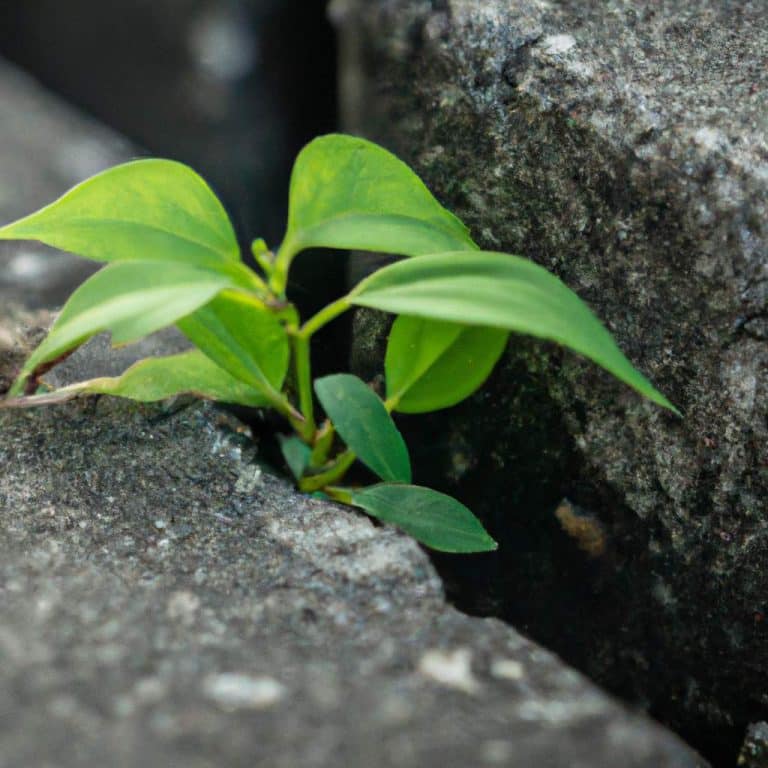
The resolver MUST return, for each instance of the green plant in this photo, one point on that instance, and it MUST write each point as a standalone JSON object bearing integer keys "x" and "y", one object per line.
{"x": 173, "y": 260}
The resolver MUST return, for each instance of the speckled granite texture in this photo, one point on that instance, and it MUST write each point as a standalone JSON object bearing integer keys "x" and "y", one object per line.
{"x": 167, "y": 601}
{"x": 624, "y": 146}
{"x": 754, "y": 753}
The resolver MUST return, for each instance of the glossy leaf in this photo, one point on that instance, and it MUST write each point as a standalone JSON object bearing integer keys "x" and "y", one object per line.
{"x": 349, "y": 193}
{"x": 244, "y": 338}
{"x": 499, "y": 291}
{"x": 363, "y": 423}
{"x": 129, "y": 299}
{"x": 159, "y": 378}
{"x": 296, "y": 454}
{"x": 148, "y": 210}
{"x": 432, "y": 364}
{"x": 434, "y": 519}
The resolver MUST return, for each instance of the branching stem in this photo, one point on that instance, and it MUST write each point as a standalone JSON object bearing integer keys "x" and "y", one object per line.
{"x": 324, "y": 316}
{"x": 300, "y": 338}
{"x": 278, "y": 278}
{"x": 337, "y": 470}
{"x": 391, "y": 403}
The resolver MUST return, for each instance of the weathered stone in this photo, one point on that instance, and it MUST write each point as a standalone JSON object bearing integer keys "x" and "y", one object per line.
{"x": 754, "y": 753}
{"x": 166, "y": 600}
{"x": 20, "y": 332}
{"x": 624, "y": 147}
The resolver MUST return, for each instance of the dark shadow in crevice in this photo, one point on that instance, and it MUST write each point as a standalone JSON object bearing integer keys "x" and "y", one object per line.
{"x": 589, "y": 592}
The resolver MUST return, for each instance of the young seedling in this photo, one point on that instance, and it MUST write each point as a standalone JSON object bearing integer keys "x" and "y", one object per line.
{"x": 173, "y": 259}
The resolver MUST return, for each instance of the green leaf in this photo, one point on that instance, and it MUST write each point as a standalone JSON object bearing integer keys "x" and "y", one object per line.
{"x": 499, "y": 291}
{"x": 350, "y": 193}
{"x": 129, "y": 299}
{"x": 296, "y": 454}
{"x": 158, "y": 378}
{"x": 361, "y": 419}
{"x": 432, "y": 364}
{"x": 434, "y": 519}
{"x": 244, "y": 338}
{"x": 147, "y": 210}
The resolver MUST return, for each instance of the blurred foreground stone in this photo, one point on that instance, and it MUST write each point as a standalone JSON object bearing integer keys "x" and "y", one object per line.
{"x": 754, "y": 753}
{"x": 166, "y": 600}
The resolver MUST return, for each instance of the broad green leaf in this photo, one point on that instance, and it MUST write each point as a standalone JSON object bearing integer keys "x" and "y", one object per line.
{"x": 147, "y": 210}
{"x": 244, "y": 338}
{"x": 364, "y": 425}
{"x": 499, "y": 291}
{"x": 432, "y": 364}
{"x": 158, "y": 378}
{"x": 434, "y": 519}
{"x": 349, "y": 193}
{"x": 296, "y": 454}
{"x": 130, "y": 299}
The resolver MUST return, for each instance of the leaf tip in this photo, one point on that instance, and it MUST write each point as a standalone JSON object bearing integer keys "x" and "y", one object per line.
{"x": 656, "y": 397}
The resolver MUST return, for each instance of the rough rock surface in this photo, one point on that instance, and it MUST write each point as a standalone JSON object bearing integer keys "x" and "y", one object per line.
{"x": 625, "y": 147}
{"x": 754, "y": 753}
{"x": 168, "y": 601}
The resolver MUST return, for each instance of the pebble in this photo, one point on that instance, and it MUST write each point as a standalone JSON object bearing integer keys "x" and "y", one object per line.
{"x": 452, "y": 669}
{"x": 507, "y": 669}
{"x": 232, "y": 691}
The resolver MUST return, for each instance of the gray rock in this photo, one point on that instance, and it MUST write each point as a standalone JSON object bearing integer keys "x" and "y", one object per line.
{"x": 167, "y": 600}
{"x": 46, "y": 147}
{"x": 20, "y": 332}
{"x": 625, "y": 148}
{"x": 754, "y": 753}
{"x": 99, "y": 358}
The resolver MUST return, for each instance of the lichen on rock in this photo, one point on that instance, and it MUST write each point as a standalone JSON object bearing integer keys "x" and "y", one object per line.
{"x": 625, "y": 148}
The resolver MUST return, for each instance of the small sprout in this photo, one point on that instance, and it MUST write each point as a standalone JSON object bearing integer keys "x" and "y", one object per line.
{"x": 173, "y": 259}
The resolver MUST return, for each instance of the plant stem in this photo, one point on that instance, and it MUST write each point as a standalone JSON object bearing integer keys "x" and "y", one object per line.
{"x": 304, "y": 383}
{"x": 283, "y": 406}
{"x": 341, "y": 495}
{"x": 391, "y": 403}
{"x": 324, "y": 316}
{"x": 323, "y": 443}
{"x": 248, "y": 279}
{"x": 278, "y": 278}
{"x": 339, "y": 468}
{"x": 300, "y": 339}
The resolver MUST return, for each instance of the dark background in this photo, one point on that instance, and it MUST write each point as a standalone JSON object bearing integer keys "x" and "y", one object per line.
{"x": 233, "y": 88}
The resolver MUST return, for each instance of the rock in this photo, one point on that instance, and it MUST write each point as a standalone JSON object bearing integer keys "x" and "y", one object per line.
{"x": 20, "y": 332}
{"x": 754, "y": 753}
{"x": 99, "y": 358}
{"x": 156, "y": 613}
{"x": 231, "y": 691}
{"x": 626, "y": 149}
{"x": 46, "y": 147}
